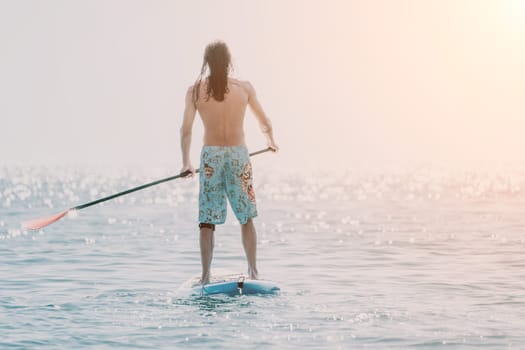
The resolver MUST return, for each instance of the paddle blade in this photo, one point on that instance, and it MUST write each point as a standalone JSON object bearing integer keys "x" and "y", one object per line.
{"x": 43, "y": 222}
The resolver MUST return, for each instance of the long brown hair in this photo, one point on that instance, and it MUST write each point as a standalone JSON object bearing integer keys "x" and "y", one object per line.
{"x": 217, "y": 58}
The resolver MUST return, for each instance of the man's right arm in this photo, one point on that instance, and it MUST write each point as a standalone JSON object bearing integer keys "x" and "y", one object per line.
{"x": 264, "y": 122}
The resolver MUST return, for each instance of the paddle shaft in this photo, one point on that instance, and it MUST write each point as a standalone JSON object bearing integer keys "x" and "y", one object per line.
{"x": 141, "y": 187}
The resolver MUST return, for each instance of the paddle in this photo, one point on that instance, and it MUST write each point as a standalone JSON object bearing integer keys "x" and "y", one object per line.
{"x": 43, "y": 222}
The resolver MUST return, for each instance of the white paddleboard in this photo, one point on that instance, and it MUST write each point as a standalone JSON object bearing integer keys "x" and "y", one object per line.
{"x": 230, "y": 284}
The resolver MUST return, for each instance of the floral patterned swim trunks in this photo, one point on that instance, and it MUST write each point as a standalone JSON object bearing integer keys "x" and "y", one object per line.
{"x": 225, "y": 171}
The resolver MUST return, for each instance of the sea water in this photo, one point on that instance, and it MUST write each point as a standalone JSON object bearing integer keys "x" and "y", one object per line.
{"x": 390, "y": 260}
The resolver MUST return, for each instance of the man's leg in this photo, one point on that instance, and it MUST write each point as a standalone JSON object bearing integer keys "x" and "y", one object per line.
{"x": 249, "y": 242}
{"x": 206, "y": 244}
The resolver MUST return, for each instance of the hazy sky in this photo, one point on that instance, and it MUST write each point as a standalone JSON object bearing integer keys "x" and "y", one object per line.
{"x": 346, "y": 83}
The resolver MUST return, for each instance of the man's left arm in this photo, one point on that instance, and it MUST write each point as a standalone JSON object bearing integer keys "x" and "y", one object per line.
{"x": 186, "y": 130}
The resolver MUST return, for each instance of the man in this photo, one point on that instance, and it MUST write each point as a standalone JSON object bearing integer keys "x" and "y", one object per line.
{"x": 225, "y": 168}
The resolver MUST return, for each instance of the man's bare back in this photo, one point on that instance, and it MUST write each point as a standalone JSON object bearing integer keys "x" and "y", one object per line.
{"x": 223, "y": 121}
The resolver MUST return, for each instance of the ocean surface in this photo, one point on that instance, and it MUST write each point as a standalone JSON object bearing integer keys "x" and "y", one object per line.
{"x": 410, "y": 259}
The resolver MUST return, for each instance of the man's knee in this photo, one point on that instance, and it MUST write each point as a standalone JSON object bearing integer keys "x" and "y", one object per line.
{"x": 206, "y": 225}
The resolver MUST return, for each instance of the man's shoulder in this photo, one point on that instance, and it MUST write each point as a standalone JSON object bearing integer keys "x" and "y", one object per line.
{"x": 239, "y": 82}
{"x": 191, "y": 89}
{"x": 245, "y": 84}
